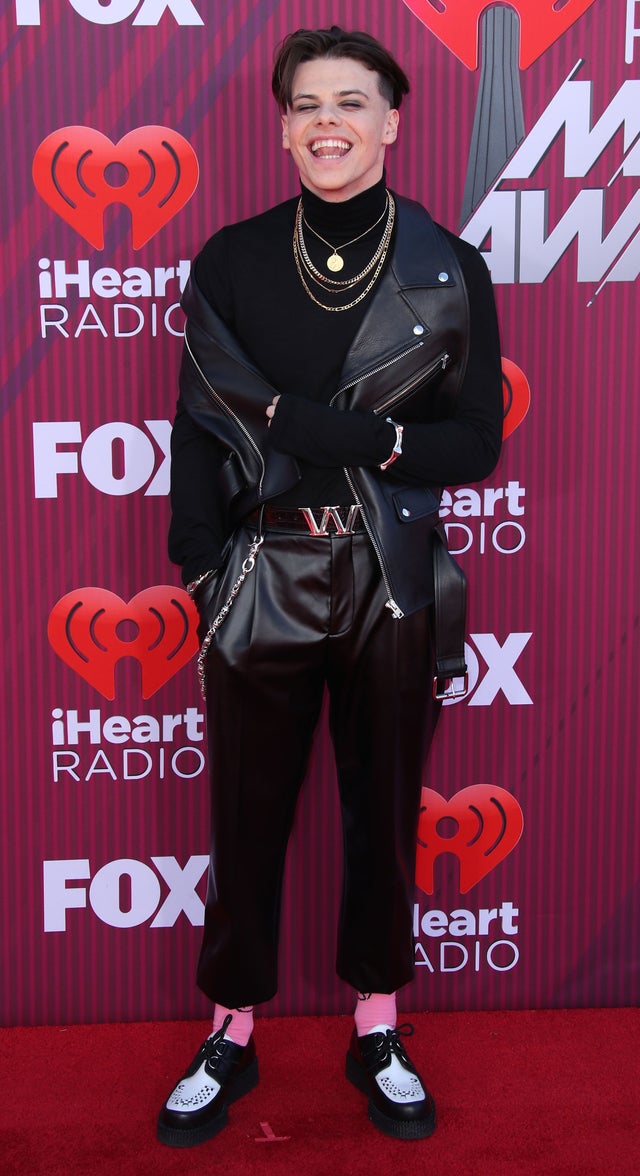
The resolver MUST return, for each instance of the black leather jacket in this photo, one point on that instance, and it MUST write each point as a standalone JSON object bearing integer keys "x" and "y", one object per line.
{"x": 408, "y": 360}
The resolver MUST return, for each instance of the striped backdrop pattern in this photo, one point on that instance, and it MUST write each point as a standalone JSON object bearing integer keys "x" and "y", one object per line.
{"x": 109, "y": 929}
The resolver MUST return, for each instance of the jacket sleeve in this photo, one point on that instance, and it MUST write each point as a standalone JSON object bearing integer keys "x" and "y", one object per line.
{"x": 464, "y": 447}
{"x": 196, "y": 530}
{"x": 326, "y": 436}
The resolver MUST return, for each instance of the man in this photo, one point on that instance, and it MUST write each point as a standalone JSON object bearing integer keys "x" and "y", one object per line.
{"x": 341, "y": 366}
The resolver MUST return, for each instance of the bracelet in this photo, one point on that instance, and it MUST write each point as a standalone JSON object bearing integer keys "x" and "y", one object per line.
{"x": 193, "y": 585}
{"x": 397, "y": 448}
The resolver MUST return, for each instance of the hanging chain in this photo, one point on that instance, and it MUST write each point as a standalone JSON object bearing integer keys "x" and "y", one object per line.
{"x": 248, "y": 565}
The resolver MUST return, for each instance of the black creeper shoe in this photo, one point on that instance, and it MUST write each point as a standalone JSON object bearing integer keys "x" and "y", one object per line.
{"x": 220, "y": 1073}
{"x": 399, "y": 1103}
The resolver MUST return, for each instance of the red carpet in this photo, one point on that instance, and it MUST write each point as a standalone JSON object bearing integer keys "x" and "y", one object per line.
{"x": 552, "y": 1092}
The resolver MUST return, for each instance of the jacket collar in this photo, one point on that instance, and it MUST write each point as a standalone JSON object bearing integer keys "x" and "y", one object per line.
{"x": 421, "y": 257}
{"x": 406, "y": 298}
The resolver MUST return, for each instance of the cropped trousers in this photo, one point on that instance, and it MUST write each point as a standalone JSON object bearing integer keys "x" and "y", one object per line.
{"x": 312, "y": 614}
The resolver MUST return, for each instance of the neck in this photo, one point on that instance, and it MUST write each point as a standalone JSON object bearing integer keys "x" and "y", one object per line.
{"x": 341, "y": 220}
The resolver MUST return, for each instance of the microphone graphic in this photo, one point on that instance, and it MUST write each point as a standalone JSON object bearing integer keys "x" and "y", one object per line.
{"x": 512, "y": 36}
{"x": 498, "y": 125}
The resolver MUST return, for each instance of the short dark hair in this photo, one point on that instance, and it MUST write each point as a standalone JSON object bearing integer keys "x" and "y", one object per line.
{"x": 309, "y": 44}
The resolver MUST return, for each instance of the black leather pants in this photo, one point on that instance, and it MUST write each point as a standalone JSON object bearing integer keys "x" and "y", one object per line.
{"x": 312, "y": 613}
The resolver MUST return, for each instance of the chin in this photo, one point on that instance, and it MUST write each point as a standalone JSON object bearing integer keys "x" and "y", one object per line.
{"x": 337, "y": 186}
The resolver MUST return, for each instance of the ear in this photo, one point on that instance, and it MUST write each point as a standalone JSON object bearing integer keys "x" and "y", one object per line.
{"x": 284, "y": 119}
{"x": 391, "y": 127}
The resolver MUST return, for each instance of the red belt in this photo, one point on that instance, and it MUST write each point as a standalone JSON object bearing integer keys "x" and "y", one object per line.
{"x": 318, "y": 521}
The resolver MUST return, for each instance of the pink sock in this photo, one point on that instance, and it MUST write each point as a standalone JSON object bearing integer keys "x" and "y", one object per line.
{"x": 374, "y": 1009}
{"x": 240, "y": 1027}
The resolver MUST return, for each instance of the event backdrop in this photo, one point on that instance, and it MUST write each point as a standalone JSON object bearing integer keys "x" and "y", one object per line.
{"x": 133, "y": 130}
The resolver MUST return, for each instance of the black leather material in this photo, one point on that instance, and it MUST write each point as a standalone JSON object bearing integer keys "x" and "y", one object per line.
{"x": 225, "y": 394}
{"x": 312, "y": 614}
{"x": 450, "y": 611}
{"x": 234, "y": 1068}
{"x": 288, "y": 519}
{"x": 370, "y": 1055}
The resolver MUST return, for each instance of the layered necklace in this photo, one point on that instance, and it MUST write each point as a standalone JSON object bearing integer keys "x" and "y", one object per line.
{"x": 335, "y": 262}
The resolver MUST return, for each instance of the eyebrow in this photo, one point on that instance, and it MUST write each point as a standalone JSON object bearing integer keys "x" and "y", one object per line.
{"x": 337, "y": 94}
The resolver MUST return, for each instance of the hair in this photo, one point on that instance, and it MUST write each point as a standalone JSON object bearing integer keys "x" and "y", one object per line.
{"x": 309, "y": 44}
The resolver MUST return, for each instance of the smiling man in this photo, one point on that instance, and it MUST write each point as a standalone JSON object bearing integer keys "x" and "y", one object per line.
{"x": 341, "y": 366}
{"x": 337, "y": 126}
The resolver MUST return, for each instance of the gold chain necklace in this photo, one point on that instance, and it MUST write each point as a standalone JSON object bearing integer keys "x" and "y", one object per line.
{"x": 385, "y": 247}
{"x": 335, "y": 262}
{"x": 322, "y": 279}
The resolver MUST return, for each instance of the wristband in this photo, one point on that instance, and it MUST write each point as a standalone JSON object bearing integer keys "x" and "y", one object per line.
{"x": 397, "y": 448}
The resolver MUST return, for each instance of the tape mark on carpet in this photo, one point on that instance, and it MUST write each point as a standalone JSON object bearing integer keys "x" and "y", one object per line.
{"x": 269, "y": 1137}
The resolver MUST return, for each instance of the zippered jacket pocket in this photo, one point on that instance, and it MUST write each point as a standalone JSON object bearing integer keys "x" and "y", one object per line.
{"x": 410, "y": 388}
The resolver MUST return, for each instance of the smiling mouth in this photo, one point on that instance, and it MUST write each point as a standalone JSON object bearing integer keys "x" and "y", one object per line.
{"x": 330, "y": 148}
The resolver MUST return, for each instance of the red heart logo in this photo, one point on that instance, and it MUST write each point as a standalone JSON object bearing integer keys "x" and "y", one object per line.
{"x": 516, "y": 395}
{"x": 79, "y": 172}
{"x": 488, "y": 825}
{"x": 457, "y": 22}
{"x": 83, "y": 631}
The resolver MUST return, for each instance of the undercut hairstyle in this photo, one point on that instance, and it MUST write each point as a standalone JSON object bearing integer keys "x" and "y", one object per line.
{"x": 309, "y": 44}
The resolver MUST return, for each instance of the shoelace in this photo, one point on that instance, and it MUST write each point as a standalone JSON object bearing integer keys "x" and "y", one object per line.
{"x": 215, "y": 1047}
{"x": 386, "y": 1044}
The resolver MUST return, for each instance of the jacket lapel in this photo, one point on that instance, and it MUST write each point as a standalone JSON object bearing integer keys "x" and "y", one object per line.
{"x": 404, "y": 310}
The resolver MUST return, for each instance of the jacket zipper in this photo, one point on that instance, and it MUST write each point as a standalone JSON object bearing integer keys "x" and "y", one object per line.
{"x": 441, "y": 362}
{"x": 229, "y": 412}
{"x": 390, "y": 602}
{"x": 397, "y": 397}
{"x": 374, "y": 371}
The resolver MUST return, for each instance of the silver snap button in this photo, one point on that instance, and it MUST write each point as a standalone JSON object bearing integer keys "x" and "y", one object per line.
{"x": 406, "y": 513}
{"x": 418, "y": 329}
{"x": 443, "y": 277}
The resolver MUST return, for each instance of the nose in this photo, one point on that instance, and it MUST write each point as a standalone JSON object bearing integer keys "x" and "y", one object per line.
{"x": 327, "y": 114}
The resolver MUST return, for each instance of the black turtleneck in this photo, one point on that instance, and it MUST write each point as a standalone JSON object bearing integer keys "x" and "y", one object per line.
{"x": 247, "y": 271}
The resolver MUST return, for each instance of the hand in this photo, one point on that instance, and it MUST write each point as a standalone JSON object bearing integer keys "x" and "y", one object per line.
{"x": 272, "y": 409}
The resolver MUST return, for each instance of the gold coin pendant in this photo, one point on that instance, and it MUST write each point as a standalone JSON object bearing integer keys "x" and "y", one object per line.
{"x": 335, "y": 263}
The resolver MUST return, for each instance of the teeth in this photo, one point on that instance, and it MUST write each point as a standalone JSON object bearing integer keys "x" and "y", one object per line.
{"x": 325, "y": 144}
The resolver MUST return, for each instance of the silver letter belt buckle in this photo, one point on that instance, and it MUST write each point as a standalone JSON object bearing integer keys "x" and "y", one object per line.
{"x": 331, "y": 514}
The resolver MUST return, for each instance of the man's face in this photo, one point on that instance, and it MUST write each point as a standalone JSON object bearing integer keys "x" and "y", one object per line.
{"x": 337, "y": 127}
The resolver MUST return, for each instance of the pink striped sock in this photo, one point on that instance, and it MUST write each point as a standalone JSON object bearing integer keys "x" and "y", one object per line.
{"x": 241, "y": 1026}
{"x": 373, "y": 1009}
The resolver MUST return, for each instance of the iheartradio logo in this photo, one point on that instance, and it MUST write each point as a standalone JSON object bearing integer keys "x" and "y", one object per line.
{"x": 480, "y": 825}
{"x": 92, "y": 629}
{"x": 516, "y": 396}
{"x": 79, "y": 173}
{"x": 457, "y": 22}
